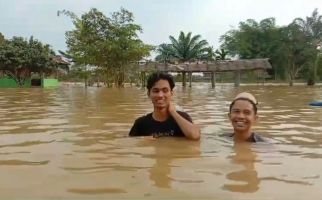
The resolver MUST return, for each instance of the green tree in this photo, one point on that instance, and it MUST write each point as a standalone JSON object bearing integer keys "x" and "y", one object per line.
{"x": 312, "y": 28}
{"x": 295, "y": 50}
{"x": 185, "y": 48}
{"x": 292, "y": 49}
{"x": 2, "y": 39}
{"x": 164, "y": 53}
{"x": 19, "y": 57}
{"x": 221, "y": 54}
{"x": 111, "y": 44}
{"x": 318, "y": 63}
{"x": 256, "y": 40}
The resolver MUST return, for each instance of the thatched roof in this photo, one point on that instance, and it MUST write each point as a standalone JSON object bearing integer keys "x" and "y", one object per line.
{"x": 59, "y": 60}
{"x": 215, "y": 66}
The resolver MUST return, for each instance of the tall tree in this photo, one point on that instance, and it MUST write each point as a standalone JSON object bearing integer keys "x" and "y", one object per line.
{"x": 318, "y": 63}
{"x": 256, "y": 40}
{"x": 19, "y": 57}
{"x": 295, "y": 50}
{"x": 312, "y": 28}
{"x": 111, "y": 43}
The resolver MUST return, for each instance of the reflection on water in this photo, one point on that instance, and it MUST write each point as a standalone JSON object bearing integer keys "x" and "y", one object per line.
{"x": 72, "y": 143}
{"x": 20, "y": 162}
{"x": 248, "y": 175}
{"x": 166, "y": 150}
{"x": 97, "y": 191}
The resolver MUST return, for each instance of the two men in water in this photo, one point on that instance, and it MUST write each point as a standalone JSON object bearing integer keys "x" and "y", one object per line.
{"x": 165, "y": 120}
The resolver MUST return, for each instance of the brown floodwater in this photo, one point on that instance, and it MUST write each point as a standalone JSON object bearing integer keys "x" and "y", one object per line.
{"x": 72, "y": 143}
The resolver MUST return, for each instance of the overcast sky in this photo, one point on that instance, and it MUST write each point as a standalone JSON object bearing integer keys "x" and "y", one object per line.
{"x": 158, "y": 18}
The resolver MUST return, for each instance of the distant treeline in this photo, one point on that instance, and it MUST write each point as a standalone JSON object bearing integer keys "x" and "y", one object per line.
{"x": 106, "y": 49}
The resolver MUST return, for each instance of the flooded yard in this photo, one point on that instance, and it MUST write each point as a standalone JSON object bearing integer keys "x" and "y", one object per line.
{"x": 72, "y": 143}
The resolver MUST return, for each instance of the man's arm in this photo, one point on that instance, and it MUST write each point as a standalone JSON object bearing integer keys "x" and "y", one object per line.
{"x": 190, "y": 130}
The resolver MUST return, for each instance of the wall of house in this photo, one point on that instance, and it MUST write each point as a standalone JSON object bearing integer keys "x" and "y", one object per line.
{"x": 10, "y": 83}
{"x": 49, "y": 83}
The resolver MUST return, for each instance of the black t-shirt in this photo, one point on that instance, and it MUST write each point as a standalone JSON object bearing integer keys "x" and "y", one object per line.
{"x": 147, "y": 126}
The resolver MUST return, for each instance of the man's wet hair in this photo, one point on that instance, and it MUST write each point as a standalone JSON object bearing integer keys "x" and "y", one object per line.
{"x": 156, "y": 76}
{"x": 245, "y": 99}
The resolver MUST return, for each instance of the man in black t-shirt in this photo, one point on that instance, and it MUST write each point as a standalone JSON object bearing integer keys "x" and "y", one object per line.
{"x": 164, "y": 120}
{"x": 146, "y": 126}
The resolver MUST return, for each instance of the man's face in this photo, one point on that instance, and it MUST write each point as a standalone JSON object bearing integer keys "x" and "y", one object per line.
{"x": 242, "y": 116}
{"x": 161, "y": 94}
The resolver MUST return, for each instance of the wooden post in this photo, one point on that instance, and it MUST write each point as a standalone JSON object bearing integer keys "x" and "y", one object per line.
{"x": 57, "y": 72}
{"x": 190, "y": 79}
{"x": 260, "y": 77}
{"x": 237, "y": 78}
{"x": 263, "y": 74}
{"x": 143, "y": 79}
{"x": 213, "y": 79}
{"x": 183, "y": 79}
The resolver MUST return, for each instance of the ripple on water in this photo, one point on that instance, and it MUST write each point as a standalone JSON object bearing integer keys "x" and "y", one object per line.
{"x": 303, "y": 139}
{"x": 8, "y": 128}
{"x": 90, "y": 191}
{"x": 48, "y": 121}
{"x": 22, "y": 162}
{"x": 288, "y": 126}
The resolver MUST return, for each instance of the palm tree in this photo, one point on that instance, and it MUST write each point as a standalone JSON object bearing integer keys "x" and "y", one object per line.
{"x": 185, "y": 48}
{"x": 221, "y": 54}
{"x": 211, "y": 54}
{"x": 312, "y": 28}
{"x": 165, "y": 53}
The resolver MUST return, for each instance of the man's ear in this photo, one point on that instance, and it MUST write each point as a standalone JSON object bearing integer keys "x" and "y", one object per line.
{"x": 256, "y": 117}
{"x": 229, "y": 116}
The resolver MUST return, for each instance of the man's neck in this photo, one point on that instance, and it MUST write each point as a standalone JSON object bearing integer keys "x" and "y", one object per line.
{"x": 160, "y": 114}
{"x": 242, "y": 136}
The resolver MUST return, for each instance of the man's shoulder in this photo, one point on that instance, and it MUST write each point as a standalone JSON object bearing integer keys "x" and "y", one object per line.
{"x": 253, "y": 138}
{"x": 260, "y": 138}
{"x": 144, "y": 118}
{"x": 140, "y": 125}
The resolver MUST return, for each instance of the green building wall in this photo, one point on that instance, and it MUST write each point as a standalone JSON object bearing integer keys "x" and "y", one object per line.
{"x": 49, "y": 83}
{"x": 10, "y": 83}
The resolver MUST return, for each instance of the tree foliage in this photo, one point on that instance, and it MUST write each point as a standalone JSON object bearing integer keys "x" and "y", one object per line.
{"x": 185, "y": 48}
{"x": 291, "y": 49}
{"x": 296, "y": 51}
{"x": 221, "y": 54}
{"x": 109, "y": 43}
{"x": 311, "y": 27}
{"x": 2, "y": 39}
{"x": 164, "y": 53}
{"x": 19, "y": 57}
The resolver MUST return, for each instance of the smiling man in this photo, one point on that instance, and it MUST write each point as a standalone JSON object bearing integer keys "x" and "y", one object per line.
{"x": 165, "y": 120}
{"x": 243, "y": 115}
